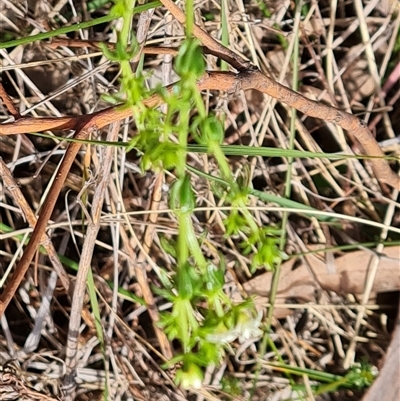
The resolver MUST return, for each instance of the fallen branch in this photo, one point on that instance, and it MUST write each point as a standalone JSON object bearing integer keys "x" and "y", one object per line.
{"x": 231, "y": 83}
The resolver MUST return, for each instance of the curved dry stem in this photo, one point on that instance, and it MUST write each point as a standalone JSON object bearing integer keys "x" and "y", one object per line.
{"x": 231, "y": 83}
{"x": 41, "y": 224}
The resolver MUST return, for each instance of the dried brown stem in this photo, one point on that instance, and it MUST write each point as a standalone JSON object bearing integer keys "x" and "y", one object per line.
{"x": 44, "y": 217}
{"x": 229, "y": 82}
{"x": 57, "y": 42}
{"x": 19, "y": 198}
{"x": 213, "y": 46}
{"x": 253, "y": 78}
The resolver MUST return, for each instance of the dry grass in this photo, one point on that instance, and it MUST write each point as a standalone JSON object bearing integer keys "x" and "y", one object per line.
{"x": 346, "y": 59}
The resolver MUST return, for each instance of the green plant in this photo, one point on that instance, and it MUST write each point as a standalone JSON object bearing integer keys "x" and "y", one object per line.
{"x": 203, "y": 318}
{"x": 359, "y": 376}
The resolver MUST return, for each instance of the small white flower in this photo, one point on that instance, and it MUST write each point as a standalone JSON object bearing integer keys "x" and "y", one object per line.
{"x": 223, "y": 337}
{"x": 245, "y": 329}
{"x": 249, "y": 328}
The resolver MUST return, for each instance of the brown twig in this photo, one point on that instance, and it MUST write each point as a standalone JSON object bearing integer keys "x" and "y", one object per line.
{"x": 42, "y": 221}
{"x": 101, "y": 118}
{"x": 96, "y": 44}
{"x": 19, "y": 198}
{"x": 253, "y": 78}
{"x": 230, "y": 82}
{"x": 213, "y": 46}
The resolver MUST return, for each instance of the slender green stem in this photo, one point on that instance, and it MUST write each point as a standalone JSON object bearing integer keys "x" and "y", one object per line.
{"x": 225, "y": 30}
{"x": 192, "y": 242}
{"x": 183, "y": 250}
{"x": 74, "y": 27}
{"x": 215, "y": 149}
{"x": 189, "y": 4}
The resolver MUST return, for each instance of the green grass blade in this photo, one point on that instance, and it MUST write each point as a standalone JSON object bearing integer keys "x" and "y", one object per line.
{"x": 74, "y": 27}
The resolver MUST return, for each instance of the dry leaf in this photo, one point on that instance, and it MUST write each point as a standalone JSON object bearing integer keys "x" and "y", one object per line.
{"x": 350, "y": 277}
